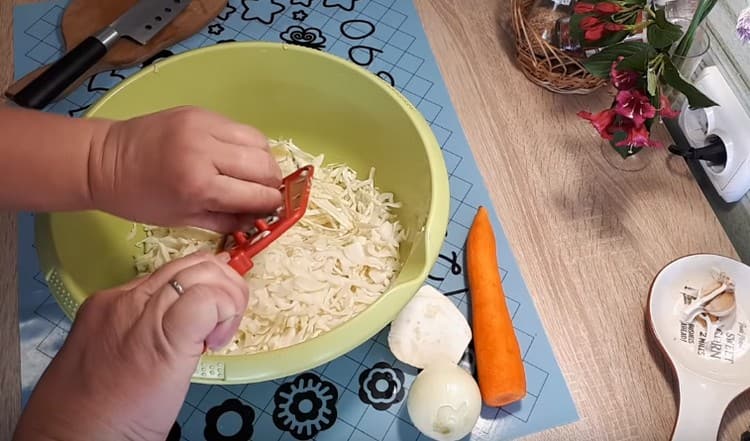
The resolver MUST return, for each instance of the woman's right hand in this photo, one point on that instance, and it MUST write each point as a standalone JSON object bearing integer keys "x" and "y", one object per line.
{"x": 125, "y": 368}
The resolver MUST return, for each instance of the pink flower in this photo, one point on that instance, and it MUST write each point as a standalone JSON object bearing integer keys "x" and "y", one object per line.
{"x": 634, "y": 105}
{"x": 666, "y": 110}
{"x": 602, "y": 121}
{"x": 583, "y": 8}
{"x": 607, "y": 8}
{"x": 622, "y": 79}
{"x": 594, "y": 28}
{"x": 594, "y": 33}
{"x": 638, "y": 137}
{"x": 590, "y": 22}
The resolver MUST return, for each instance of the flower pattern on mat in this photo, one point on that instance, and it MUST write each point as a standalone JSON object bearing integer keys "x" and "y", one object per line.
{"x": 246, "y": 413}
{"x": 308, "y": 37}
{"x": 175, "y": 433}
{"x": 305, "y": 406}
{"x": 381, "y": 386}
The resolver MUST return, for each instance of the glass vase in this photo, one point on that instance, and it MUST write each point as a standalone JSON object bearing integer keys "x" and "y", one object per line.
{"x": 632, "y": 163}
{"x": 689, "y": 64}
{"x": 680, "y": 9}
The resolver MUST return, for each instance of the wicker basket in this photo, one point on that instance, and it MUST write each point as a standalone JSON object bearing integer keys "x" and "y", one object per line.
{"x": 544, "y": 64}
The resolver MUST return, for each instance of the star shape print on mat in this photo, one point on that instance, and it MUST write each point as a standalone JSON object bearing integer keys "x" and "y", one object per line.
{"x": 227, "y": 12}
{"x": 264, "y": 11}
{"x": 299, "y": 15}
{"x": 216, "y": 29}
{"x": 346, "y": 5}
{"x": 302, "y": 2}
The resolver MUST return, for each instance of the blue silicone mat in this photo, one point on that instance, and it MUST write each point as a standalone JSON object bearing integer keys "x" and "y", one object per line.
{"x": 387, "y": 37}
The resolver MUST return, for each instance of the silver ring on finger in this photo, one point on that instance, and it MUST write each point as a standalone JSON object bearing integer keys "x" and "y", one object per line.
{"x": 177, "y": 287}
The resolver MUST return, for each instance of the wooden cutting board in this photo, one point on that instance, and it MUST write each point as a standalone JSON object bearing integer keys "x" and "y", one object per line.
{"x": 83, "y": 18}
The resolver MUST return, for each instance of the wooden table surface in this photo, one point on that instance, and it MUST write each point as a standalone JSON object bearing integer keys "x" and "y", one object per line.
{"x": 588, "y": 237}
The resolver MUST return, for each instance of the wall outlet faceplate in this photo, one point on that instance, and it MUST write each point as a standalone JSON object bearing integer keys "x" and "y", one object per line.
{"x": 728, "y": 121}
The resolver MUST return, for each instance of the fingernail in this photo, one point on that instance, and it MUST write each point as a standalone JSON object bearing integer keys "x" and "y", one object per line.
{"x": 224, "y": 257}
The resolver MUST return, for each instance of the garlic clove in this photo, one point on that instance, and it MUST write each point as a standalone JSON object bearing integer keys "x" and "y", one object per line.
{"x": 709, "y": 288}
{"x": 724, "y": 304}
{"x": 698, "y": 306}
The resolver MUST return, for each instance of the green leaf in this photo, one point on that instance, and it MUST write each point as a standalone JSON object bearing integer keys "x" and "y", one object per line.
{"x": 696, "y": 98}
{"x": 599, "y": 64}
{"x": 704, "y": 8}
{"x": 633, "y": 2}
{"x": 660, "y": 17}
{"x": 610, "y": 39}
{"x": 661, "y": 33}
{"x": 639, "y": 60}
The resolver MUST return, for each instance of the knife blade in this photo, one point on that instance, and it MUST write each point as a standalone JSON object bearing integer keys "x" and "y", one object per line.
{"x": 147, "y": 18}
{"x": 140, "y": 23}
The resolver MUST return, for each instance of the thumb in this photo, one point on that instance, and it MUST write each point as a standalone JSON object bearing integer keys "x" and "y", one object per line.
{"x": 223, "y": 333}
{"x": 203, "y": 313}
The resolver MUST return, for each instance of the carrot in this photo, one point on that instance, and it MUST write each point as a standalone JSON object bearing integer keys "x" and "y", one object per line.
{"x": 502, "y": 379}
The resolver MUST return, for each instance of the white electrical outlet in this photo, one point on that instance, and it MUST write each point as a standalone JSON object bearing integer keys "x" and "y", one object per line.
{"x": 728, "y": 121}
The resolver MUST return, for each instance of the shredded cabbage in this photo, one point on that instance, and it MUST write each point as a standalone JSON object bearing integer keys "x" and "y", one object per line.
{"x": 338, "y": 259}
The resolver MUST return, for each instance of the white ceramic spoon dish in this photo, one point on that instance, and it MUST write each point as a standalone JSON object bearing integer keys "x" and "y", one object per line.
{"x": 711, "y": 376}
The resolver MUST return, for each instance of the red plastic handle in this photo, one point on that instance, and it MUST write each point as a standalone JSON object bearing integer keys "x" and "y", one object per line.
{"x": 296, "y": 194}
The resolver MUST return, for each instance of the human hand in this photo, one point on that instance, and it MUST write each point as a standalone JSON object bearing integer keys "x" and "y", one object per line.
{"x": 125, "y": 368}
{"x": 185, "y": 167}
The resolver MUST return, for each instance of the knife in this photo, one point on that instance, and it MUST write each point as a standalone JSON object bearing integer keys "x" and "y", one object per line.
{"x": 140, "y": 23}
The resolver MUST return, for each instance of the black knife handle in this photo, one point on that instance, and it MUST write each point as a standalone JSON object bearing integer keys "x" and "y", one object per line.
{"x": 60, "y": 75}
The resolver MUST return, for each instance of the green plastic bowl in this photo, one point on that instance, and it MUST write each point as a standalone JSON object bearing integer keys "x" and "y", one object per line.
{"x": 326, "y": 105}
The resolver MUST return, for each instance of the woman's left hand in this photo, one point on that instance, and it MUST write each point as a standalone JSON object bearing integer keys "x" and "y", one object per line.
{"x": 185, "y": 166}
